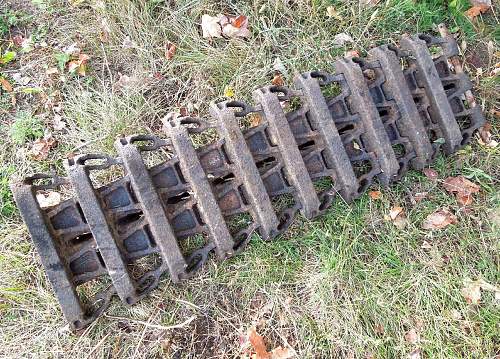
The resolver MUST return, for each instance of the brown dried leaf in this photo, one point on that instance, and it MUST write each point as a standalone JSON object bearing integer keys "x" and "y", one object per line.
{"x": 415, "y": 354}
{"x": 485, "y": 137}
{"x": 255, "y": 119}
{"x": 419, "y": 196}
{"x": 476, "y": 10}
{"x": 239, "y": 21}
{"x": 430, "y": 174}
{"x": 170, "y": 50}
{"x": 278, "y": 80}
{"x": 79, "y": 66}
{"x": 258, "y": 344}
{"x": 395, "y": 212}
{"x": 375, "y": 195}
{"x": 281, "y": 353}
{"x": 412, "y": 336}
{"x": 6, "y": 84}
{"x": 379, "y": 329}
{"x": 462, "y": 188}
{"x": 439, "y": 219}
{"x": 472, "y": 292}
{"x": 352, "y": 53}
{"x": 41, "y": 148}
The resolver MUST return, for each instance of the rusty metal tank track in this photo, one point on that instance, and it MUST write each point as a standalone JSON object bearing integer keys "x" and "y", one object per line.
{"x": 372, "y": 120}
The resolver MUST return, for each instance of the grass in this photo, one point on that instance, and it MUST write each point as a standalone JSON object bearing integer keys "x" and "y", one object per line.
{"x": 349, "y": 284}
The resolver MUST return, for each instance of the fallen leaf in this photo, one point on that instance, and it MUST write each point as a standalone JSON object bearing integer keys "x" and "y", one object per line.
{"x": 341, "y": 39}
{"x": 49, "y": 199}
{"x": 6, "y": 84}
{"x": 485, "y": 137}
{"x": 439, "y": 219}
{"x": 419, "y": 196}
{"x": 379, "y": 329}
{"x": 210, "y": 26}
{"x": 412, "y": 336}
{"x": 278, "y": 80}
{"x": 255, "y": 119}
{"x": 400, "y": 221}
{"x": 476, "y": 10}
{"x": 79, "y": 66}
{"x": 415, "y": 354}
{"x": 228, "y": 91}
{"x": 395, "y": 212}
{"x": 397, "y": 217}
{"x": 232, "y": 30}
{"x": 170, "y": 50}
{"x": 41, "y": 147}
{"x": 462, "y": 188}
{"x": 331, "y": 12}
{"x": 352, "y": 53}
{"x": 472, "y": 292}
{"x": 281, "y": 353}
{"x": 18, "y": 40}
{"x": 239, "y": 21}
{"x": 258, "y": 344}
{"x": 375, "y": 195}
{"x": 430, "y": 173}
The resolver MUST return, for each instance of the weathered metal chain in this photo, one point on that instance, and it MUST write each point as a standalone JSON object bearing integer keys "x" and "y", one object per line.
{"x": 380, "y": 120}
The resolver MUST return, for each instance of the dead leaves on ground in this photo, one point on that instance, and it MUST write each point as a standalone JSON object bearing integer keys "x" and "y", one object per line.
{"x": 397, "y": 216}
{"x": 258, "y": 348}
{"x": 441, "y": 218}
{"x": 462, "y": 188}
{"x": 42, "y": 147}
{"x": 170, "y": 50}
{"x": 478, "y": 7}
{"x": 430, "y": 173}
{"x": 224, "y": 26}
{"x": 375, "y": 195}
{"x": 485, "y": 136}
{"x": 472, "y": 291}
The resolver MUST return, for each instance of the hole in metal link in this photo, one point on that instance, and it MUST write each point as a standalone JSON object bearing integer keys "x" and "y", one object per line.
{"x": 93, "y": 161}
{"x": 198, "y": 258}
{"x": 283, "y": 93}
{"x": 245, "y": 108}
{"x": 194, "y": 124}
{"x": 45, "y": 181}
{"x": 147, "y": 142}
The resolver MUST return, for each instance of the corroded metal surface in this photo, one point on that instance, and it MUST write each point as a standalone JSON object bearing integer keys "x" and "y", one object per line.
{"x": 389, "y": 112}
